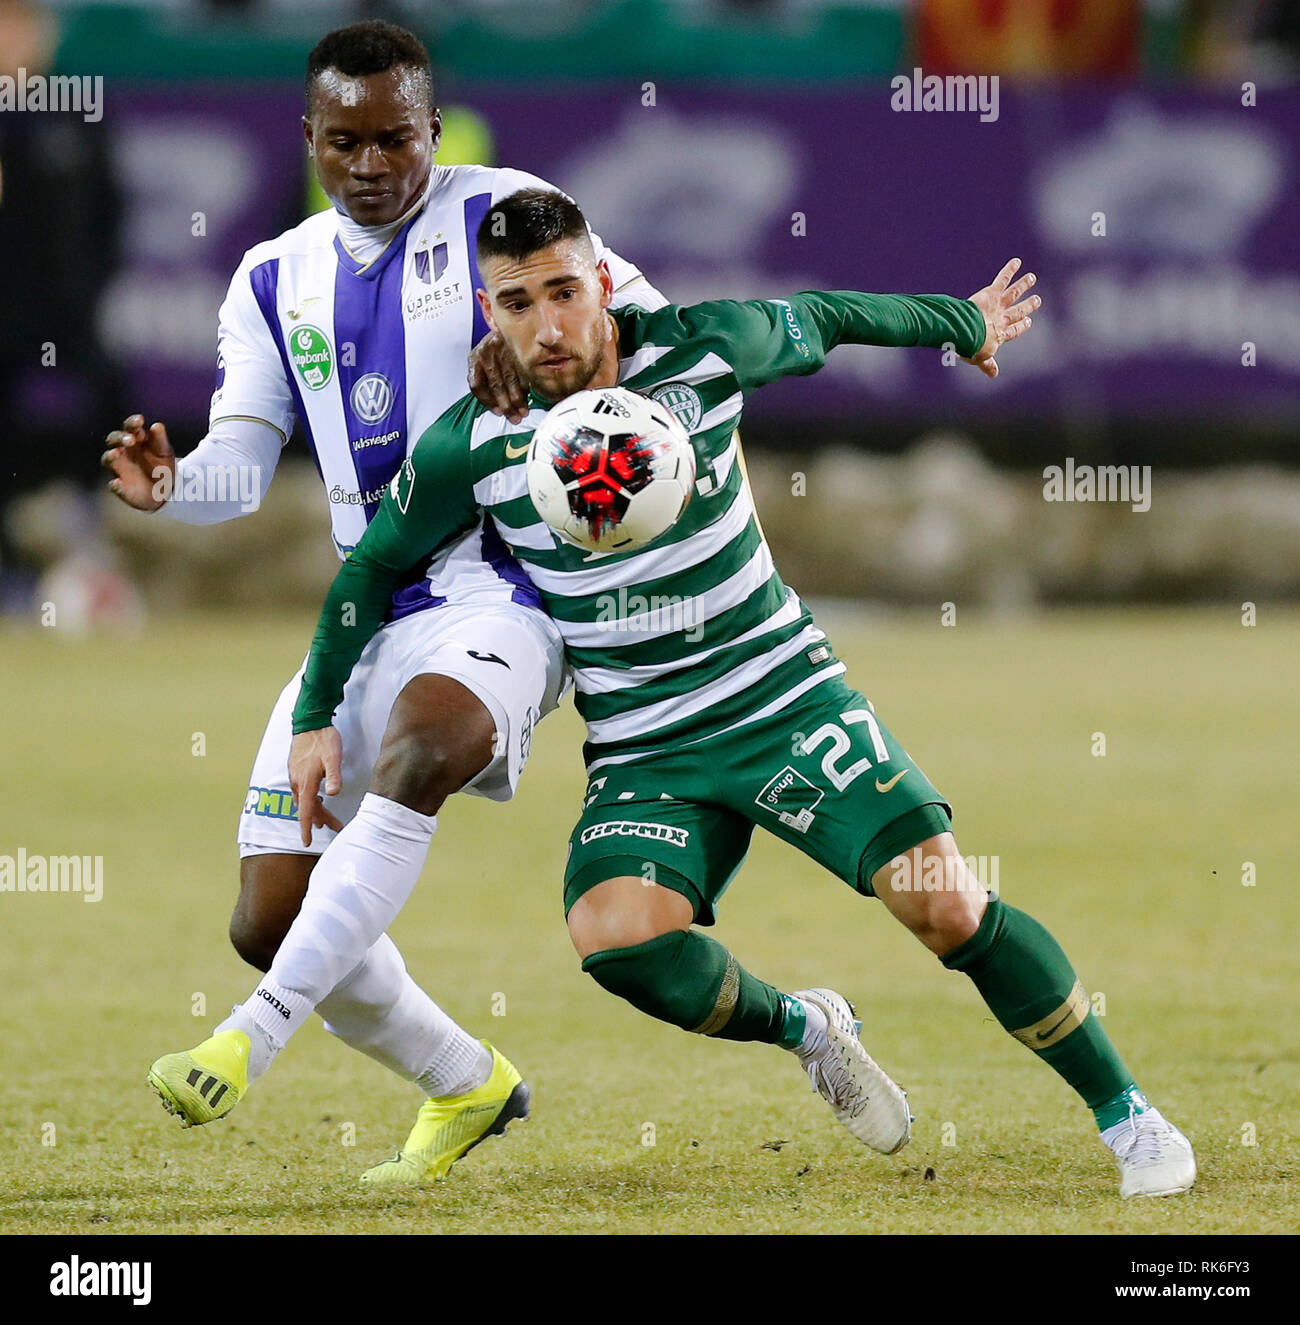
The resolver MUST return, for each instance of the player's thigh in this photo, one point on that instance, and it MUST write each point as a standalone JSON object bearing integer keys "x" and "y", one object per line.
{"x": 269, "y": 820}
{"x": 643, "y": 822}
{"x": 827, "y": 776}
{"x": 510, "y": 659}
{"x": 439, "y": 738}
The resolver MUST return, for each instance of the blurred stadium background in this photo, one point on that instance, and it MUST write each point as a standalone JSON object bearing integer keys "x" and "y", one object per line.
{"x": 769, "y": 161}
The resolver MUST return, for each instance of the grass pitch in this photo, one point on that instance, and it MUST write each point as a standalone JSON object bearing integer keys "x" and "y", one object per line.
{"x": 1134, "y": 860}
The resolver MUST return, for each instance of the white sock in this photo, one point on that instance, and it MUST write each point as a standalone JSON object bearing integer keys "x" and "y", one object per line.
{"x": 814, "y": 1031}
{"x": 380, "y": 1011}
{"x": 358, "y": 886}
{"x": 261, "y": 1048}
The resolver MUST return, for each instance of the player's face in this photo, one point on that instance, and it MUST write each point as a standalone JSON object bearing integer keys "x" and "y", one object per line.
{"x": 550, "y": 309}
{"x": 373, "y": 141}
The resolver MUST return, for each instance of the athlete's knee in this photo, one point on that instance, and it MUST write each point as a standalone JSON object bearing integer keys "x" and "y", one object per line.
{"x": 932, "y": 891}
{"x": 270, "y": 896}
{"x": 946, "y": 920}
{"x": 625, "y": 912}
{"x": 255, "y": 936}
{"x": 418, "y": 768}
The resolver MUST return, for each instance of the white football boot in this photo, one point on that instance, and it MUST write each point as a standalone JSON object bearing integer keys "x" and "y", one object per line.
{"x": 861, "y": 1096}
{"x": 1155, "y": 1158}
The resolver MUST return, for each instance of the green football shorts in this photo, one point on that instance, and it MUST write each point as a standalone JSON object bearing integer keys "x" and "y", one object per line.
{"x": 823, "y": 774}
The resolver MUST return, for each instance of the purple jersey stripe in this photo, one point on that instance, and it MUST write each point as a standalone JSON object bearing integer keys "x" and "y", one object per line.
{"x": 414, "y": 598}
{"x": 264, "y": 280}
{"x": 372, "y": 377}
{"x": 475, "y": 210}
{"x": 498, "y": 557}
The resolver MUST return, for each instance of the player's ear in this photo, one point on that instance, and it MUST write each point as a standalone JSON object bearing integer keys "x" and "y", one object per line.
{"x": 606, "y": 283}
{"x": 435, "y": 130}
{"x": 486, "y": 305}
{"x": 306, "y": 133}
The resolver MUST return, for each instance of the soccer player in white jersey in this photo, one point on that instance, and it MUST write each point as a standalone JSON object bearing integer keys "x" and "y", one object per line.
{"x": 359, "y": 323}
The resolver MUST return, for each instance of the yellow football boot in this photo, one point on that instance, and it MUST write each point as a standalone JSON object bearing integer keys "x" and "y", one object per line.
{"x": 206, "y": 1082}
{"x": 450, "y": 1126}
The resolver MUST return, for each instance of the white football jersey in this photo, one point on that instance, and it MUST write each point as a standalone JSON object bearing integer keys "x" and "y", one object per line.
{"x": 367, "y": 354}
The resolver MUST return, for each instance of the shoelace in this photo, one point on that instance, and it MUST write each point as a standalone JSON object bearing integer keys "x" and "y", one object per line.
{"x": 831, "y": 1068}
{"x": 1146, "y": 1144}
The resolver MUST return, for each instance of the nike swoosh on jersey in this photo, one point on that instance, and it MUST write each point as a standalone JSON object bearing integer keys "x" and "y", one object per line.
{"x": 893, "y": 782}
{"x": 514, "y": 452}
{"x": 296, "y": 313}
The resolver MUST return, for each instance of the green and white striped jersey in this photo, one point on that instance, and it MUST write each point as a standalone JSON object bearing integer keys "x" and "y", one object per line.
{"x": 686, "y": 637}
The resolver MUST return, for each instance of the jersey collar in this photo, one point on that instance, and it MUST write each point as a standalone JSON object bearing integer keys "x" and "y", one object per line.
{"x": 369, "y": 268}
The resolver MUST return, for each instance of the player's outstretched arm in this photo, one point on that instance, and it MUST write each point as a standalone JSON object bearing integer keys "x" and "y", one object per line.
{"x": 1006, "y": 313}
{"x": 225, "y": 476}
{"x": 764, "y": 339}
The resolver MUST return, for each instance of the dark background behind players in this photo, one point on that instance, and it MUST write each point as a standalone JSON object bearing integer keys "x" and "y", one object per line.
{"x": 59, "y": 230}
{"x": 746, "y": 149}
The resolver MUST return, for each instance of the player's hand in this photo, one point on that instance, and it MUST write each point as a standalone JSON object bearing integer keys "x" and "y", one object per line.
{"x": 494, "y": 377}
{"x": 1006, "y": 313}
{"x": 143, "y": 464}
{"x": 313, "y": 757}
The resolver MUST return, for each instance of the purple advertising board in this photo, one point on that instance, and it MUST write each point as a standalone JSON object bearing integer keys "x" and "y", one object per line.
{"x": 1164, "y": 226}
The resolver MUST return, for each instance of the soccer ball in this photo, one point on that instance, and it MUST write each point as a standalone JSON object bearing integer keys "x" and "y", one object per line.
{"x": 610, "y": 470}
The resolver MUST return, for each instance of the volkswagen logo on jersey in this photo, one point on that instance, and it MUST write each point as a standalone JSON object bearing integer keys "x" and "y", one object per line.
{"x": 372, "y": 398}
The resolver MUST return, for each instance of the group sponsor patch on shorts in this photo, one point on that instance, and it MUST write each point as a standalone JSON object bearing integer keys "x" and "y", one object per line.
{"x": 626, "y": 828}
{"x": 792, "y": 798}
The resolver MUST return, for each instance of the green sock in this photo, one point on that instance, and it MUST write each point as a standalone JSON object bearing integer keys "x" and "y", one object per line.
{"x": 692, "y": 981}
{"x": 1031, "y": 988}
{"x": 1118, "y": 1107}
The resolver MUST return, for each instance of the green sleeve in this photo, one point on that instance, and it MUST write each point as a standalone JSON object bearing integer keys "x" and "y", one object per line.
{"x": 849, "y": 317}
{"x": 429, "y": 504}
{"x": 764, "y": 339}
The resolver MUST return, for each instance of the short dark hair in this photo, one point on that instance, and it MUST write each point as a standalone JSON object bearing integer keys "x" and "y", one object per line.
{"x": 372, "y": 47}
{"x": 527, "y": 221}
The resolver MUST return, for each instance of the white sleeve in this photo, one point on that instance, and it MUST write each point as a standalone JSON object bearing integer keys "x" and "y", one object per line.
{"x": 226, "y": 475}
{"x": 250, "y": 372}
{"x": 630, "y": 286}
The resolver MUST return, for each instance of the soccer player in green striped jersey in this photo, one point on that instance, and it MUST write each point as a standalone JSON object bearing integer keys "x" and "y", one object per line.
{"x": 713, "y": 702}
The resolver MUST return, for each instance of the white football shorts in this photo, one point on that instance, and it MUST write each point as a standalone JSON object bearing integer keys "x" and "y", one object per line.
{"x": 510, "y": 657}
